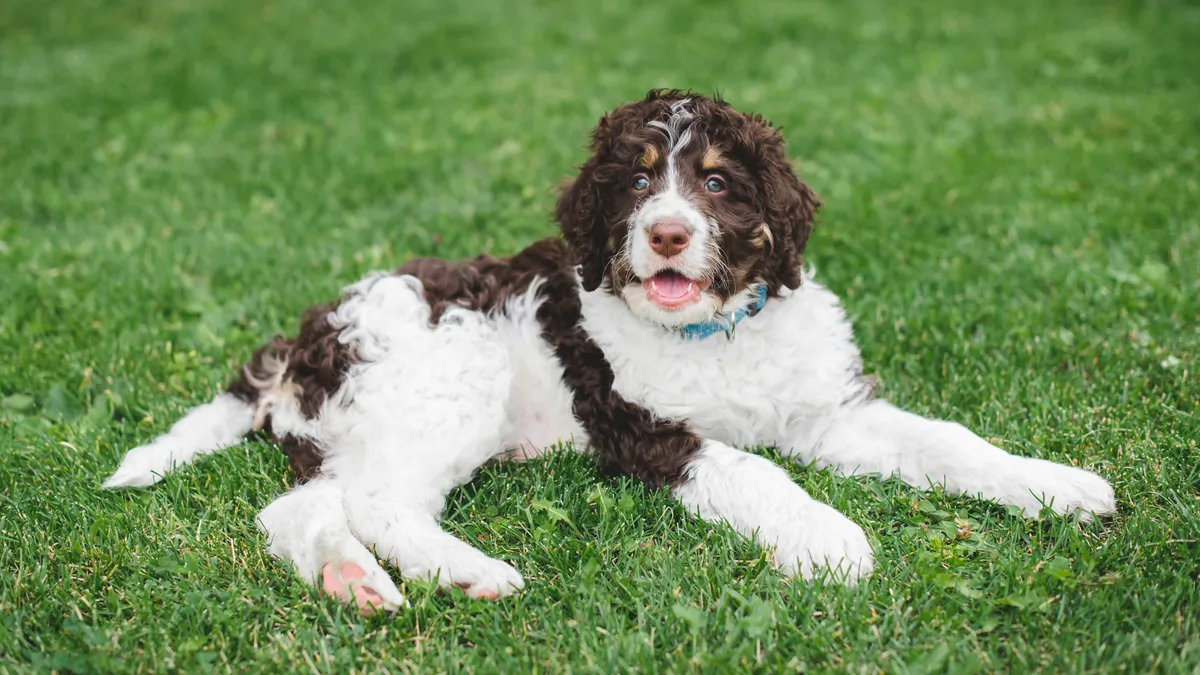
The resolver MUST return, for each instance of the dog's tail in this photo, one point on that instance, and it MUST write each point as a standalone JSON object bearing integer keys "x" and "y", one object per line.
{"x": 220, "y": 423}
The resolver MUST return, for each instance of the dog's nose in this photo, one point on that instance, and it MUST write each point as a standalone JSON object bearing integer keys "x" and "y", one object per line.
{"x": 669, "y": 237}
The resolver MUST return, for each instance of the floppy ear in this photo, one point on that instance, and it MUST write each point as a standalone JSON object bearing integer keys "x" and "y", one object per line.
{"x": 788, "y": 205}
{"x": 579, "y": 215}
{"x": 581, "y": 211}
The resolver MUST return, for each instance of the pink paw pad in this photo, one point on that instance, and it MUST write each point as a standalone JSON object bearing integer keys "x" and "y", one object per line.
{"x": 341, "y": 586}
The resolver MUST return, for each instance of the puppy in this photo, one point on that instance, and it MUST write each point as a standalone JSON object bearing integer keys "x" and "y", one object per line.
{"x": 672, "y": 323}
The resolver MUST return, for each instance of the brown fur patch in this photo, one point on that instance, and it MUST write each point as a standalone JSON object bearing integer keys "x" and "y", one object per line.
{"x": 312, "y": 367}
{"x": 304, "y": 457}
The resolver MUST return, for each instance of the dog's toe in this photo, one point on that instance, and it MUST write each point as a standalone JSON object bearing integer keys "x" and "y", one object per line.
{"x": 370, "y": 589}
{"x": 1065, "y": 490}
{"x": 826, "y": 545}
{"x": 490, "y": 579}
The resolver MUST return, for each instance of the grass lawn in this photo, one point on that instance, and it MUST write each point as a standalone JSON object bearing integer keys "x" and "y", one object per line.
{"x": 1013, "y": 221}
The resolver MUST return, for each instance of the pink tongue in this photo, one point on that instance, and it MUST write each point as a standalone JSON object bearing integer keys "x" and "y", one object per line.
{"x": 671, "y": 285}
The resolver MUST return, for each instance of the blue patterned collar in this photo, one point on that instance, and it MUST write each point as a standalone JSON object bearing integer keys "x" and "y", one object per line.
{"x": 726, "y": 323}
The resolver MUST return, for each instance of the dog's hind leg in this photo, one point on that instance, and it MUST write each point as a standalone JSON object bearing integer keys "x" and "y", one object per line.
{"x": 308, "y": 528}
{"x": 394, "y": 495}
{"x": 427, "y": 435}
{"x": 418, "y": 422}
{"x": 409, "y": 536}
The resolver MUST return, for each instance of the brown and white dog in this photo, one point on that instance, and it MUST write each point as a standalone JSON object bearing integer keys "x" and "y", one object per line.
{"x": 672, "y": 323}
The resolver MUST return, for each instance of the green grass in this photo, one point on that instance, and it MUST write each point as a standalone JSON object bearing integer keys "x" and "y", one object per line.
{"x": 1012, "y": 220}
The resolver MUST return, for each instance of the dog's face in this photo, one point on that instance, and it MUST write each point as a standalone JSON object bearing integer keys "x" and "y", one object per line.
{"x": 684, "y": 207}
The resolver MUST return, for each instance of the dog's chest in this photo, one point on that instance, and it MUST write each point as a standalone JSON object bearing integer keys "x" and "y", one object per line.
{"x": 783, "y": 372}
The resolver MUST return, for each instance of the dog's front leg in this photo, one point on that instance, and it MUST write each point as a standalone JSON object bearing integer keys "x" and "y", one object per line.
{"x": 759, "y": 500}
{"x": 719, "y": 483}
{"x": 713, "y": 480}
{"x": 878, "y": 438}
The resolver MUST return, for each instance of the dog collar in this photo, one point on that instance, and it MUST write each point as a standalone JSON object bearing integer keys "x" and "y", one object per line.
{"x": 726, "y": 323}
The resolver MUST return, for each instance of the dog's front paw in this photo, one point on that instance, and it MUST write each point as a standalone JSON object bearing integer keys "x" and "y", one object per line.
{"x": 823, "y": 543}
{"x": 1064, "y": 490}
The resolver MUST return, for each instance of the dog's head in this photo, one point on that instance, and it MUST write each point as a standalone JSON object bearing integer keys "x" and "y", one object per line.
{"x": 684, "y": 206}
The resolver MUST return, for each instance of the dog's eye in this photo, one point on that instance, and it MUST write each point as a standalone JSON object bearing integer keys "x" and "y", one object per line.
{"x": 640, "y": 183}
{"x": 715, "y": 185}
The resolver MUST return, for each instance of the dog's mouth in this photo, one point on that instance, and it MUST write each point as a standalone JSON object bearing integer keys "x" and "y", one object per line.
{"x": 671, "y": 290}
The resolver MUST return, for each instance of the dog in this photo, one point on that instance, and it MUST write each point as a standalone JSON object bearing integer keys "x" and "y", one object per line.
{"x": 673, "y": 322}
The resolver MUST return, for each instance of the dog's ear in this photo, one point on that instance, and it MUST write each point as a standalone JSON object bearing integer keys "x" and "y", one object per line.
{"x": 582, "y": 210}
{"x": 788, "y": 205}
{"x": 580, "y": 218}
